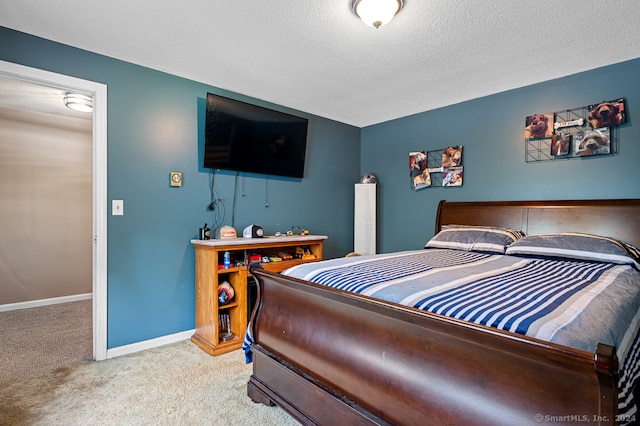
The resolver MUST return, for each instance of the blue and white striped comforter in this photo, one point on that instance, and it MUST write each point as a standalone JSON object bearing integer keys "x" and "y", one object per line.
{"x": 570, "y": 302}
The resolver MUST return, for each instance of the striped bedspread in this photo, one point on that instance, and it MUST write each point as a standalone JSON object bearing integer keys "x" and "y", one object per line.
{"x": 570, "y": 302}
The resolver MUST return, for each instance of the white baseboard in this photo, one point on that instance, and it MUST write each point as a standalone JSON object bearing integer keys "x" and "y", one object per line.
{"x": 149, "y": 344}
{"x": 113, "y": 352}
{"x": 44, "y": 302}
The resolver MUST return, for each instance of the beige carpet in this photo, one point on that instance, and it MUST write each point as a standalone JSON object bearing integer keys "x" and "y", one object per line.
{"x": 47, "y": 378}
{"x": 38, "y": 340}
{"x": 177, "y": 384}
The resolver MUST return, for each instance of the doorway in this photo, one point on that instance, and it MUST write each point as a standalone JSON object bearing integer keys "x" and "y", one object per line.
{"x": 98, "y": 93}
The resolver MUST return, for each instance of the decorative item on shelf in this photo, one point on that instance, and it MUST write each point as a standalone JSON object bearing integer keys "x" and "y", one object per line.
{"x": 226, "y": 232}
{"x": 225, "y": 293}
{"x": 296, "y": 230}
{"x": 254, "y": 257}
{"x": 285, "y": 256}
{"x": 368, "y": 178}
{"x": 224, "y": 325}
{"x": 226, "y": 260}
{"x": 253, "y": 231}
{"x": 304, "y": 253}
{"x": 204, "y": 233}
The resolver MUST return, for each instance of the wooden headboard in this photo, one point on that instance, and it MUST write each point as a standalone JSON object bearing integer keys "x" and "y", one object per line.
{"x": 619, "y": 218}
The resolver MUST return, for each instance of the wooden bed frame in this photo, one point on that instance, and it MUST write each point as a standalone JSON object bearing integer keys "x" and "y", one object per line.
{"x": 331, "y": 357}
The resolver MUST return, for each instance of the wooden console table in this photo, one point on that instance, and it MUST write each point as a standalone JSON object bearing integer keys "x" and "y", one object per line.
{"x": 209, "y": 274}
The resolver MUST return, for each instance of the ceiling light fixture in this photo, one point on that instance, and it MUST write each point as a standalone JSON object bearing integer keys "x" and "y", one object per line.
{"x": 376, "y": 13}
{"x": 78, "y": 102}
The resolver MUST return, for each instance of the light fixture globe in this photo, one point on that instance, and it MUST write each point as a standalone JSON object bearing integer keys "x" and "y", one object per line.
{"x": 376, "y": 13}
{"x": 78, "y": 102}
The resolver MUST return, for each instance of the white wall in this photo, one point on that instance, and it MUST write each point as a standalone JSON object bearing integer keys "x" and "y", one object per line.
{"x": 45, "y": 206}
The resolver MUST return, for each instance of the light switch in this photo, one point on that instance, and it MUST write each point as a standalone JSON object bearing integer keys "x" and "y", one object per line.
{"x": 117, "y": 207}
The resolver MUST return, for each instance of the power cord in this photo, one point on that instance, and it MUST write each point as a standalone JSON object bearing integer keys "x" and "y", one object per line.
{"x": 216, "y": 206}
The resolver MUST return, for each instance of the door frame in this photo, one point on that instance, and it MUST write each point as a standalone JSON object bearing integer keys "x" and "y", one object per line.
{"x": 98, "y": 92}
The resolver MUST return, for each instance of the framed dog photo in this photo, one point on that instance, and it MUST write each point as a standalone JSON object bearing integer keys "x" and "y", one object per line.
{"x": 452, "y": 176}
{"x": 420, "y": 177}
{"x": 560, "y": 144}
{"x": 452, "y": 156}
{"x": 592, "y": 142}
{"x": 417, "y": 161}
{"x": 538, "y": 126}
{"x": 607, "y": 114}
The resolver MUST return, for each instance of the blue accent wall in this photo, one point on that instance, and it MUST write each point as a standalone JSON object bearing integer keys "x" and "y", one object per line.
{"x": 155, "y": 125}
{"x": 491, "y": 132}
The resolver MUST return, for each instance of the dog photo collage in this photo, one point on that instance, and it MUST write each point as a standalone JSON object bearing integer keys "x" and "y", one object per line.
{"x": 445, "y": 164}
{"x": 568, "y": 133}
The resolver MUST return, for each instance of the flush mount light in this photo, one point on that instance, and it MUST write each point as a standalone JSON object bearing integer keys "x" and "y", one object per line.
{"x": 376, "y": 13}
{"x": 78, "y": 102}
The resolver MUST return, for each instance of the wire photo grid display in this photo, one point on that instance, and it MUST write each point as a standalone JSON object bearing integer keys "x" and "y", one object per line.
{"x": 575, "y": 133}
{"x": 439, "y": 167}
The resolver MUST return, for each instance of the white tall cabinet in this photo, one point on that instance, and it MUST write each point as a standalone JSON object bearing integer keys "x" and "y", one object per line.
{"x": 364, "y": 220}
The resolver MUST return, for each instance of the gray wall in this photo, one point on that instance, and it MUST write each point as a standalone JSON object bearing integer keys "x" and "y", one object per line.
{"x": 45, "y": 206}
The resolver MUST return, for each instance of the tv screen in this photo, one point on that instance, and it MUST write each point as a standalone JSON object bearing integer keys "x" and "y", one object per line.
{"x": 249, "y": 138}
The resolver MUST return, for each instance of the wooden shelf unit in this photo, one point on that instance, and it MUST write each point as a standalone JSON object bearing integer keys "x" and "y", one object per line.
{"x": 209, "y": 255}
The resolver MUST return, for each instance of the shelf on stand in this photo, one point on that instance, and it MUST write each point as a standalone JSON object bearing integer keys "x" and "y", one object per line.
{"x": 209, "y": 275}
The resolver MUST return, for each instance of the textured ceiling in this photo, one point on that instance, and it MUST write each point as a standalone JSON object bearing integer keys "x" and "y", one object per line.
{"x": 24, "y": 95}
{"x": 317, "y": 57}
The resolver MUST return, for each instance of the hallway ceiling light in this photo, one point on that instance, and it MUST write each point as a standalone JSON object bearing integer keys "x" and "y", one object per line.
{"x": 78, "y": 102}
{"x": 376, "y": 13}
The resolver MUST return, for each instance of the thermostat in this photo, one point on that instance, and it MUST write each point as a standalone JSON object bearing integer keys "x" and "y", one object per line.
{"x": 175, "y": 179}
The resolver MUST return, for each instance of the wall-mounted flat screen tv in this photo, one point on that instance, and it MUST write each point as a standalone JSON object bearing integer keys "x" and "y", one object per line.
{"x": 249, "y": 138}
